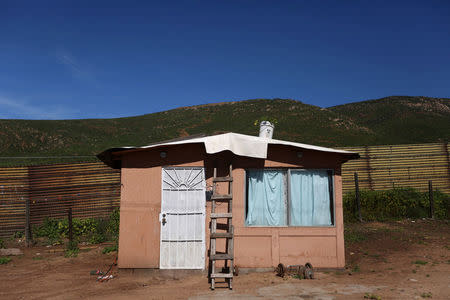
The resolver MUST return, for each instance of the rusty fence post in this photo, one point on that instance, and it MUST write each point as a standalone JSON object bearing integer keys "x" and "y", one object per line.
{"x": 28, "y": 236}
{"x": 430, "y": 194}
{"x": 358, "y": 203}
{"x": 70, "y": 225}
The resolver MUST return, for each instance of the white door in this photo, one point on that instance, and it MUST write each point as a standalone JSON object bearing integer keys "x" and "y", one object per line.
{"x": 182, "y": 218}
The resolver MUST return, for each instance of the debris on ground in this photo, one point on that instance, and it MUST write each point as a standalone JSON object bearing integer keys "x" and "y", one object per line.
{"x": 387, "y": 259}
{"x": 96, "y": 272}
{"x": 10, "y": 251}
{"x": 103, "y": 276}
{"x": 299, "y": 271}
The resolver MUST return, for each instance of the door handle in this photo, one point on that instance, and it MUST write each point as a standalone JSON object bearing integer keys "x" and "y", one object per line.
{"x": 163, "y": 219}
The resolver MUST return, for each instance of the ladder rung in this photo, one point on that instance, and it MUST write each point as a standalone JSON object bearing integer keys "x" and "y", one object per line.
{"x": 222, "y": 179}
{"x": 220, "y": 256}
{"x": 221, "y": 215}
{"x": 221, "y": 275}
{"x": 221, "y": 235}
{"x": 222, "y": 197}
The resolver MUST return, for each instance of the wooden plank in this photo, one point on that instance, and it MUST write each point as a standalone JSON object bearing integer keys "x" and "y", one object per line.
{"x": 221, "y": 235}
{"x": 222, "y": 179}
{"x": 230, "y": 250}
{"x": 221, "y": 197}
{"x": 221, "y": 215}
{"x": 220, "y": 256}
{"x": 222, "y": 275}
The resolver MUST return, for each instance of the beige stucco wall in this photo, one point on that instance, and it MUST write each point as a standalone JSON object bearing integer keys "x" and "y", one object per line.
{"x": 254, "y": 247}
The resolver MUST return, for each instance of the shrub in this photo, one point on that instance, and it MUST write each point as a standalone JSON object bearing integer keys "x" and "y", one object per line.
{"x": 49, "y": 229}
{"x": 395, "y": 204}
{"x": 72, "y": 245}
{"x": 80, "y": 227}
{"x": 100, "y": 234}
{"x": 113, "y": 225}
{"x": 72, "y": 249}
{"x": 18, "y": 235}
{"x": 96, "y": 238}
{"x": 110, "y": 249}
{"x": 94, "y": 230}
{"x": 2, "y": 244}
{"x": 4, "y": 260}
{"x": 71, "y": 252}
{"x": 441, "y": 205}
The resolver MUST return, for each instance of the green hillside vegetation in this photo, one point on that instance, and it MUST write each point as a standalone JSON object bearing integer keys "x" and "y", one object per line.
{"x": 391, "y": 120}
{"x": 401, "y": 119}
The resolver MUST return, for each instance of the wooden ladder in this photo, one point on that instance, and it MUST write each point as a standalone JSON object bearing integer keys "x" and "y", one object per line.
{"x": 227, "y": 255}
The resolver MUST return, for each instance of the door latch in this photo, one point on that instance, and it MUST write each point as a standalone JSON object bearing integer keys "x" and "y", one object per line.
{"x": 162, "y": 219}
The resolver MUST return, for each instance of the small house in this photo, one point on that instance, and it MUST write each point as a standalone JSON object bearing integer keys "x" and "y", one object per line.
{"x": 286, "y": 202}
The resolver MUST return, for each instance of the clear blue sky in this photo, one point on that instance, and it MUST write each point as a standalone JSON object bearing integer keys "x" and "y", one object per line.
{"x": 76, "y": 59}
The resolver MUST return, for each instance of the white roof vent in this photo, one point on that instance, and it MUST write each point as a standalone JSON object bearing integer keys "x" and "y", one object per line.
{"x": 266, "y": 130}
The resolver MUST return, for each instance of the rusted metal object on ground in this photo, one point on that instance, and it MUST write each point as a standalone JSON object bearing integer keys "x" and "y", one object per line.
{"x": 302, "y": 271}
{"x": 236, "y": 270}
{"x": 309, "y": 271}
{"x": 280, "y": 270}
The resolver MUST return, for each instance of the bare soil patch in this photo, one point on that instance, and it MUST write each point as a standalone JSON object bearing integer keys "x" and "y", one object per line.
{"x": 395, "y": 260}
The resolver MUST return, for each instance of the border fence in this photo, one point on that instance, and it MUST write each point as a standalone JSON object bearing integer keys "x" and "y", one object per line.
{"x": 93, "y": 190}
{"x": 37, "y": 192}
{"x": 387, "y": 167}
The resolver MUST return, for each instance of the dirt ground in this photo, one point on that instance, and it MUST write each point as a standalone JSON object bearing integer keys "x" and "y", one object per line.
{"x": 395, "y": 260}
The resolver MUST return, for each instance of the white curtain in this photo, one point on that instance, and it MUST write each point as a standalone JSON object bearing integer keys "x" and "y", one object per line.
{"x": 266, "y": 205}
{"x": 310, "y": 198}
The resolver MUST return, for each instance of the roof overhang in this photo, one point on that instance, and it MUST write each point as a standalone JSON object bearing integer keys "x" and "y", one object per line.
{"x": 239, "y": 144}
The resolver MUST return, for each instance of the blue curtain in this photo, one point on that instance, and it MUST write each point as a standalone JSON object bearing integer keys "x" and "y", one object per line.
{"x": 266, "y": 205}
{"x": 310, "y": 198}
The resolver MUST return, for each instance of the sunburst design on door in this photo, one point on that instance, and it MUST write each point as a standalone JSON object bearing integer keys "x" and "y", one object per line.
{"x": 182, "y": 179}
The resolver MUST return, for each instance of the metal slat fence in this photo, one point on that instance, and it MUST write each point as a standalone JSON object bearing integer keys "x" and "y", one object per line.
{"x": 93, "y": 189}
{"x": 13, "y": 194}
{"x": 387, "y": 167}
{"x": 90, "y": 189}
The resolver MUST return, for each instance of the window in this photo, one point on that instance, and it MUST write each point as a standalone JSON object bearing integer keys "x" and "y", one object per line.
{"x": 289, "y": 197}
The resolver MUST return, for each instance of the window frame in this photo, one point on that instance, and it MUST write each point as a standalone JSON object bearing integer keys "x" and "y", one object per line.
{"x": 287, "y": 178}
